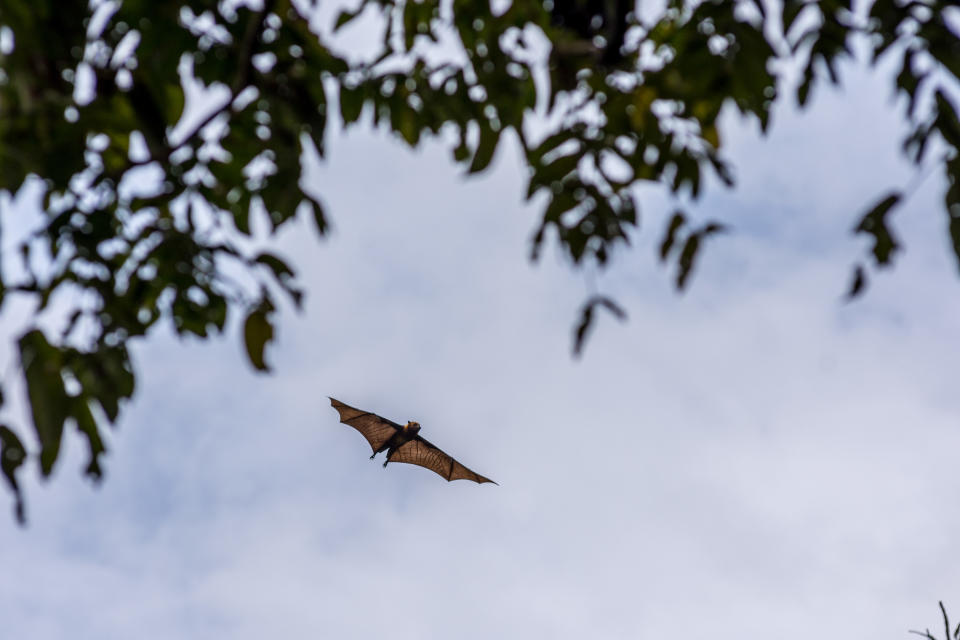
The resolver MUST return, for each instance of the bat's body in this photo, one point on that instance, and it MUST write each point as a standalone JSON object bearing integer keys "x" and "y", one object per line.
{"x": 405, "y": 434}
{"x": 403, "y": 443}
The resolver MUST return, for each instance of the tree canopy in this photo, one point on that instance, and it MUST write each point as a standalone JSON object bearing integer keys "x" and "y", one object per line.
{"x": 158, "y": 130}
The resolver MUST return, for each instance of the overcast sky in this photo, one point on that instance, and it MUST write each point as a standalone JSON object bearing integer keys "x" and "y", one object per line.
{"x": 753, "y": 459}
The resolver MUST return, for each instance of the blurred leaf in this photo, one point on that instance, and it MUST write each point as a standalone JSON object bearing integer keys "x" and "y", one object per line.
{"x": 281, "y": 270}
{"x": 580, "y": 333}
{"x": 612, "y": 307}
{"x": 485, "y": 150}
{"x": 461, "y": 152}
{"x": 691, "y": 249}
{"x": 257, "y": 332}
{"x": 676, "y": 221}
{"x": 351, "y": 103}
{"x": 80, "y": 411}
{"x": 319, "y": 217}
{"x": 346, "y": 17}
{"x": 45, "y": 390}
{"x": 586, "y": 319}
{"x": 955, "y": 237}
{"x": 790, "y": 10}
{"x": 12, "y": 456}
{"x": 858, "y": 283}
{"x": 687, "y": 258}
{"x": 106, "y": 377}
{"x": 283, "y": 274}
{"x": 712, "y": 228}
{"x": 874, "y": 223}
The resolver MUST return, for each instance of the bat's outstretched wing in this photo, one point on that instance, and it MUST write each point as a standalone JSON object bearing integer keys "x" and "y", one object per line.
{"x": 375, "y": 429}
{"x": 420, "y": 452}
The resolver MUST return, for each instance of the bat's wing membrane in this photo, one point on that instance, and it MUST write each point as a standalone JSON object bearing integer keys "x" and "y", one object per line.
{"x": 375, "y": 429}
{"x": 420, "y": 452}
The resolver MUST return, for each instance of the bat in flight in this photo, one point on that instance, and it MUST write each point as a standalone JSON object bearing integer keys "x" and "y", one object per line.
{"x": 403, "y": 444}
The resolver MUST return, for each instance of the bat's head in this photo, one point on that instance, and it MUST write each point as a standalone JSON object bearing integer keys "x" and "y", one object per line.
{"x": 413, "y": 427}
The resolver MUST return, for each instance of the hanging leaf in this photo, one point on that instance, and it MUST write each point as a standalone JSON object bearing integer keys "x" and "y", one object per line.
{"x": 586, "y": 319}
{"x": 686, "y": 260}
{"x": 676, "y": 221}
{"x": 858, "y": 283}
{"x": 257, "y": 332}
{"x": 12, "y": 455}
{"x": 485, "y": 149}
{"x": 345, "y": 17}
{"x": 874, "y": 223}
{"x": 48, "y": 398}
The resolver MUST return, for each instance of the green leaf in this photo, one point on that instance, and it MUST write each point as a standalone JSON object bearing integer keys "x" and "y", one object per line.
{"x": 406, "y": 122}
{"x": 858, "y": 283}
{"x": 105, "y": 376}
{"x": 947, "y": 121}
{"x": 49, "y": 402}
{"x": 612, "y": 307}
{"x": 411, "y": 16}
{"x": 241, "y": 216}
{"x": 283, "y": 274}
{"x": 691, "y": 249}
{"x": 351, "y": 103}
{"x": 281, "y": 270}
{"x": 485, "y": 149}
{"x": 87, "y": 425}
{"x": 461, "y": 152}
{"x": 257, "y": 332}
{"x": 669, "y": 238}
{"x": 319, "y": 217}
{"x": 953, "y": 209}
{"x": 874, "y": 223}
{"x": 346, "y": 16}
{"x": 551, "y": 143}
{"x": 586, "y": 319}
{"x": 803, "y": 91}
{"x": 556, "y": 170}
{"x": 12, "y": 455}
{"x": 580, "y": 333}
{"x": 712, "y": 228}
{"x": 791, "y": 9}
{"x": 687, "y": 259}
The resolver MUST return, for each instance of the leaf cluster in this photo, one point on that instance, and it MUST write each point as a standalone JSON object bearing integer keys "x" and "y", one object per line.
{"x": 919, "y": 37}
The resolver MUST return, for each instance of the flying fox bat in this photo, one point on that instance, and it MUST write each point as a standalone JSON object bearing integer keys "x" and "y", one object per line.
{"x": 403, "y": 444}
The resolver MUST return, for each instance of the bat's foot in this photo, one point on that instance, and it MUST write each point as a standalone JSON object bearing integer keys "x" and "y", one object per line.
{"x": 374, "y": 455}
{"x": 385, "y": 463}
